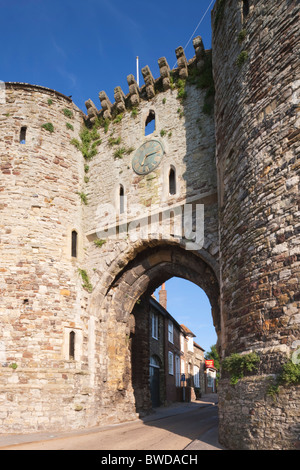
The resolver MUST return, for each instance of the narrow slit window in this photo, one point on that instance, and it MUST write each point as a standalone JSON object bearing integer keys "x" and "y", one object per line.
{"x": 150, "y": 123}
{"x": 172, "y": 181}
{"x": 74, "y": 244}
{"x": 23, "y": 135}
{"x": 122, "y": 195}
{"x": 72, "y": 345}
{"x": 246, "y": 8}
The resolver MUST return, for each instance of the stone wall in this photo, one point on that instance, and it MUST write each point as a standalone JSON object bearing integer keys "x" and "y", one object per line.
{"x": 257, "y": 140}
{"x": 257, "y": 169}
{"x": 40, "y": 290}
{"x": 259, "y": 421}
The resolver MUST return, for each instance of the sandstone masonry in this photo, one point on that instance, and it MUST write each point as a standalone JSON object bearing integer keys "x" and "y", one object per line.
{"x": 71, "y": 277}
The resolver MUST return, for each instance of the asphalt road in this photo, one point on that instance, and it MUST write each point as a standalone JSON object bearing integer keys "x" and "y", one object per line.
{"x": 189, "y": 428}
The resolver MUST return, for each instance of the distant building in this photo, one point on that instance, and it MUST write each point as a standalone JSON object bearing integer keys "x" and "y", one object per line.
{"x": 164, "y": 353}
{"x": 210, "y": 379}
{"x": 192, "y": 363}
{"x": 176, "y": 363}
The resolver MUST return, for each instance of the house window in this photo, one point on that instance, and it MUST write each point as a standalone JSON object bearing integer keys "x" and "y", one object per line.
{"x": 23, "y": 135}
{"x": 154, "y": 319}
{"x": 196, "y": 377}
{"x": 171, "y": 363}
{"x": 190, "y": 344}
{"x": 74, "y": 244}
{"x": 154, "y": 362}
{"x": 172, "y": 181}
{"x": 170, "y": 332}
{"x": 182, "y": 343}
{"x": 177, "y": 371}
{"x": 122, "y": 195}
{"x": 72, "y": 345}
{"x": 150, "y": 123}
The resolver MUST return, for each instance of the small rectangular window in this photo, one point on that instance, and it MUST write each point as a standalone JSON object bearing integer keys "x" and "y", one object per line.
{"x": 171, "y": 363}
{"x": 154, "y": 326}
{"x": 72, "y": 345}
{"x": 122, "y": 195}
{"x": 172, "y": 182}
{"x": 170, "y": 332}
{"x": 74, "y": 244}
{"x": 23, "y": 135}
{"x": 177, "y": 371}
{"x": 182, "y": 343}
{"x": 190, "y": 344}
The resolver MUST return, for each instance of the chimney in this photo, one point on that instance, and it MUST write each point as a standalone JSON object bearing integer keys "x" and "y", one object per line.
{"x": 163, "y": 296}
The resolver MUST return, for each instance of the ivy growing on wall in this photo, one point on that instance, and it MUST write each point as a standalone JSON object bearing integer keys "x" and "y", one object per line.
{"x": 48, "y": 127}
{"x": 238, "y": 365}
{"x": 90, "y": 140}
{"x": 289, "y": 376}
{"x": 86, "y": 282}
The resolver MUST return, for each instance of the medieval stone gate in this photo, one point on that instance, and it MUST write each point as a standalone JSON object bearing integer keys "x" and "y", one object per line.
{"x": 95, "y": 213}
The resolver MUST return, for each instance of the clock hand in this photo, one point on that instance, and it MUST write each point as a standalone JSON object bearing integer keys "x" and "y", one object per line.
{"x": 146, "y": 156}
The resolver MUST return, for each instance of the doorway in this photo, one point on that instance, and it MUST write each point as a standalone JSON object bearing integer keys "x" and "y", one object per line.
{"x": 154, "y": 381}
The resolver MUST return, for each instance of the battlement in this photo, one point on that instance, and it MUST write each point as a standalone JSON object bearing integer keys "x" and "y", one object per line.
{"x": 151, "y": 86}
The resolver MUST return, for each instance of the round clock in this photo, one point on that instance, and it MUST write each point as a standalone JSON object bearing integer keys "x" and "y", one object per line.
{"x": 147, "y": 157}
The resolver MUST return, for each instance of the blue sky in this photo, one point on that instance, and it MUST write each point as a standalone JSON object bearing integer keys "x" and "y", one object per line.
{"x": 81, "y": 47}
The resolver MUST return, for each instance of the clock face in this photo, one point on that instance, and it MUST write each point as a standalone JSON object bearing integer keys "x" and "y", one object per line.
{"x": 147, "y": 157}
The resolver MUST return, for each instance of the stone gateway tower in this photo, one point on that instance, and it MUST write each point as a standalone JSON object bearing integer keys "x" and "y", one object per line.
{"x": 256, "y": 72}
{"x": 97, "y": 211}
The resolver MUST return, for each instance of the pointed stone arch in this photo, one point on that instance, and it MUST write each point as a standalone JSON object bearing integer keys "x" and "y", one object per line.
{"x": 149, "y": 266}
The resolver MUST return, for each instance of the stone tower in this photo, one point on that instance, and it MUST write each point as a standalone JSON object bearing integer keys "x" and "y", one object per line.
{"x": 256, "y": 73}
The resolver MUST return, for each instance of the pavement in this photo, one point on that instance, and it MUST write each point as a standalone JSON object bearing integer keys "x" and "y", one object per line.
{"x": 207, "y": 441}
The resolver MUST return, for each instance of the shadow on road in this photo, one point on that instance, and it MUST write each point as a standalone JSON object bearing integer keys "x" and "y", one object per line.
{"x": 190, "y": 426}
{"x": 197, "y": 422}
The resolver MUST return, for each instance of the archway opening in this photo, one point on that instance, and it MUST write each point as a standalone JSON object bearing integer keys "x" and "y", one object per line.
{"x": 173, "y": 331}
{"x": 150, "y": 123}
{"x": 130, "y": 302}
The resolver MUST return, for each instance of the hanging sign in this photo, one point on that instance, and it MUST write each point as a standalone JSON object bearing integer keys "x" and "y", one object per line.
{"x": 209, "y": 363}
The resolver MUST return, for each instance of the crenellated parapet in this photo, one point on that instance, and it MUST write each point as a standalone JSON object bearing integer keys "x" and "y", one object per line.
{"x": 106, "y": 105}
{"x": 182, "y": 62}
{"x": 164, "y": 73}
{"x": 119, "y": 99}
{"x": 149, "y": 82}
{"x": 151, "y": 85}
{"x": 133, "y": 90}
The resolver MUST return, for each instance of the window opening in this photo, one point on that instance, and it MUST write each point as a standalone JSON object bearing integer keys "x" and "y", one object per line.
{"x": 171, "y": 363}
{"x": 172, "y": 181}
{"x": 154, "y": 362}
{"x": 72, "y": 345}
{"x": 154, "y": 319}
{"x": 196, "y": 377}
{"x": 170, "y": 332}
{"x": 23, "y": 135}
{"x": 246, "y": 8}
{"x": 122, "y": 208}
{"x": 150, "y": 123}
{"x": 74, "y": 244}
